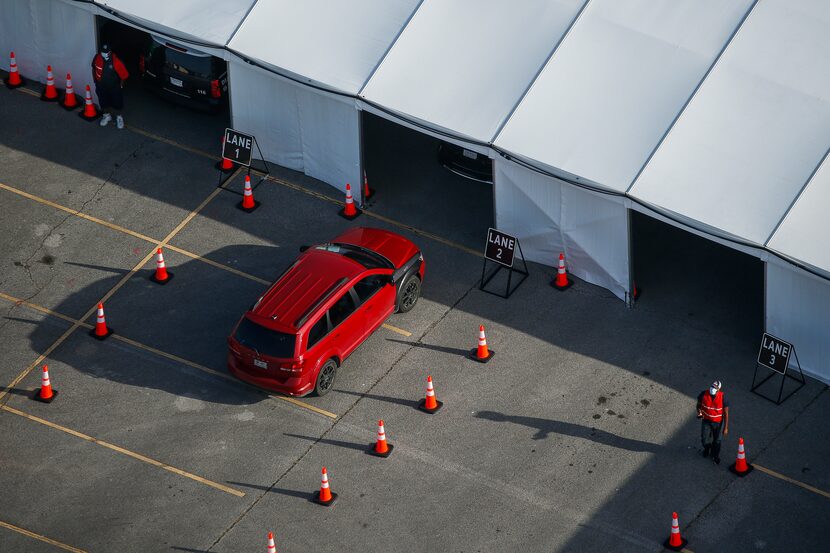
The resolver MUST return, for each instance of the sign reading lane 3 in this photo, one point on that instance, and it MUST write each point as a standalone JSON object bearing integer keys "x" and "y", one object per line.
{"x": 238, "y": 147}
{"x": 500, "y": 247}
{"x": 774, "y": 353}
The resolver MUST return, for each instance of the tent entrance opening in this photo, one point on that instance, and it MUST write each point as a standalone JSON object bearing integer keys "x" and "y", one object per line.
{"x": 173, "y": 89}
{"x": 425, "y": 182}
{"x": 704, "y": 282}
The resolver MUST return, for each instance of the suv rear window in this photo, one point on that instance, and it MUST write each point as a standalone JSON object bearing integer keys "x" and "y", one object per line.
{"x": 195, "y": 64}
{"x": 265, "y": 341}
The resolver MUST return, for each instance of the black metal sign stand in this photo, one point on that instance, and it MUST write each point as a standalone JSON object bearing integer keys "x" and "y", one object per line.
{"x": 784, "y": 376}
{"x": 264, "y": 174}
{"x": 511, "y": 269}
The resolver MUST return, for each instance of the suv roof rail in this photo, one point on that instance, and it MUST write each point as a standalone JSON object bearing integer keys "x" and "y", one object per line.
{"x": 328, "y": 293}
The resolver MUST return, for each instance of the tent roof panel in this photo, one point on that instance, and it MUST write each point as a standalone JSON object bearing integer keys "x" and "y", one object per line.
{"x": 335, "y": 44}
{"x": 616, "y": 83}
{"x": 757, "y": 128}
{"x": 804, "y": 233}
{"x": 463, "y": 65}
{"x": 210, "y": 21}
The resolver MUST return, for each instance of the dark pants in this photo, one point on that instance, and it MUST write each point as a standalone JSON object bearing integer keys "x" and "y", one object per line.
{"x": 109, "y": 97}
{"x": 710, "y": 436}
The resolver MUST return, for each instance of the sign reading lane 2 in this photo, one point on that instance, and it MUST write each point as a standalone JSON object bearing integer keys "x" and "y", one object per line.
{"x": 774, "y": 353}
{"x": 238, "y": 147}
{"x": 500, "y": 247}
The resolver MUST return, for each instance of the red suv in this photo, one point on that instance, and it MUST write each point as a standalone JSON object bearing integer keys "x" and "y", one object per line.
{"x": 320, "y": 310}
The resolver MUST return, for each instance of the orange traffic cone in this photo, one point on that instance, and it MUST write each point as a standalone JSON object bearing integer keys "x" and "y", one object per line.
{"x": 367, "y": 192}
{"x": 100, "y": 331}
{"x": 349, "y": 211}
{"x": 562, "y": 282}
{"x": 13, "y": 80}
{"x": 429, "y": 404}
{"x": 325, "y": 496}
{"x": 225, "y": 165}
{"x": 675, "y": 542}
{"x": 381, "y": 448}
{"x": 248, "y": 204}
{"x": 741, "y": 467}
{"x": 161, "y": 276}
{"x": 89, "y": 113}
{"x": 70, "y": 102}
{"x": 272, "y": 547}
{"x": 482, "y": 353}
{"x": 50, "y": 93}
{"x": 46, "y": 394}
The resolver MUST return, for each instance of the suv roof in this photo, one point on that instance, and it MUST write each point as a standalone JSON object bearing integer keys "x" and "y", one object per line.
{"x": 312, "y": 279}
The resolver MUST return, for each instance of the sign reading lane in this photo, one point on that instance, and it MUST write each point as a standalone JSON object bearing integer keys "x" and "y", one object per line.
{"x": 500, "y": 248}
{"x": 238, "y": 147}
{"x": 774, "y": 353}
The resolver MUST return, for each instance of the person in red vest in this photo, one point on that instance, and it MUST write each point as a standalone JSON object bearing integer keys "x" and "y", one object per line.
{"x": 713, "y": 409}
{"x": 109, "y": 75}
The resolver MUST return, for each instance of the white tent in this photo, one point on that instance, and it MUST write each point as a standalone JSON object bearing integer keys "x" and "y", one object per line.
{"x": 713, "y": 116}
{"x": 308, "y": 119}
{"x": 595, "y": 112}
{"x": 57, "y": 33}
{"x": 460, "y": 67}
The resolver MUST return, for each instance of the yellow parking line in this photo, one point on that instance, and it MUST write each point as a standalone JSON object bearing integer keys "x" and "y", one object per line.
{"x": 31, "y": 534}
{"x": 165, "y": 354}
{"x": 133, "y": 233}
{"x": 780, "y": 476}
{"x": 400, "y": 331}
{"x": 178, "y": 145}
{"x": 126, "y": 452}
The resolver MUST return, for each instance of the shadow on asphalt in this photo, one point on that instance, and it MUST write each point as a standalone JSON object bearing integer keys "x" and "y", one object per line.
{"x": 387, "y": 399}
{"x": 336, "y": 443}
{"x": 431, "y": 347}
{"x": 281, "y": 491}
{"x": 544, "y": 427}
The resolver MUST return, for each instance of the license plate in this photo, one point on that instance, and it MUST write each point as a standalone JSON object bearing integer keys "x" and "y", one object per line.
{"x": 176, "y": 82}
{"x": 469, "y": 154}
{"x": 260, "y": 364}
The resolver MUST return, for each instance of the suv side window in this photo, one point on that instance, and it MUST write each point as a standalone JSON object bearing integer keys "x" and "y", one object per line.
{"x": 367, "y": 287}
{"x": 344, "y": 307}
{"x": 318, "y": 331}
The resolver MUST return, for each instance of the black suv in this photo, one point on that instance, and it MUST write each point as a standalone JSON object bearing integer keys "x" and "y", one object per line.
{"x": 183, "y": 75}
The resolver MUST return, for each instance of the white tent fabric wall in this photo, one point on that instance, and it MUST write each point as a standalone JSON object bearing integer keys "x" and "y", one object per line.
{"x": 550, "y": 216}
{"x": 756, "y": 129}
{"x": 56, "y": 33}
{"x": 296, "y": 126}
{"x": 463, "y": 65}
{"x": 208, "y": 21}
{"x": 615, "y": 84}
{"x": 798, "y": 311}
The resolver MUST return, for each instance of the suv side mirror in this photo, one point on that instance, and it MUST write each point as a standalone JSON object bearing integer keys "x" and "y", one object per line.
{"x": 304, "y": 248}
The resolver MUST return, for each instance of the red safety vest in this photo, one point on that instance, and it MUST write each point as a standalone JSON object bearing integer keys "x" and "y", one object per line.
{"x": 98, "y": 67}
{"x": 712, "y": 407}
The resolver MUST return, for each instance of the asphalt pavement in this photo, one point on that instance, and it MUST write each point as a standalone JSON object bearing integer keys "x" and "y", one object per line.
{"x": 579, "y": 435}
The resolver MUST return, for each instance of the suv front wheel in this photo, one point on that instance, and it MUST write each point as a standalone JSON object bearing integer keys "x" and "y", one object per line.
{"x": 409, "y": 293}
{"x": 325, "y": 378}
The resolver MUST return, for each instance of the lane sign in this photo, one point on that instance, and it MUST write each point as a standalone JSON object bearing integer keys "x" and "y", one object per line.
{"x": 500, "y": 247}
{"x": 238, "y": 147}
{"x": 774, "y": 353}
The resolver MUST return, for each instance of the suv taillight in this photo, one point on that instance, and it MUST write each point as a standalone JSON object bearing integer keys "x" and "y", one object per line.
{"x": 141, "y": 64}
{"x": 215, "y": 91}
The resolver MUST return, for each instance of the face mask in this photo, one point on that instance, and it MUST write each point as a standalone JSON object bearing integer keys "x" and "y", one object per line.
{"x": 713, "y": 391}
{"x": 106, "y": 56}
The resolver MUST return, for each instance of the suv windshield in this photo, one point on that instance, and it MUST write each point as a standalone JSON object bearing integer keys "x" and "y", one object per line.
{"x": 265, "y": 341}
{"x": 367, "y": 258}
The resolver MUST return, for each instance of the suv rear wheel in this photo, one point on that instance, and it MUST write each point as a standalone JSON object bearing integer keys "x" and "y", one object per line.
{"x": 325, "y": 378}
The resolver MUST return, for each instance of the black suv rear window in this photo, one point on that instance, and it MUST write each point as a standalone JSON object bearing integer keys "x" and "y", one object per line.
{"x": 265, "y": 341}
